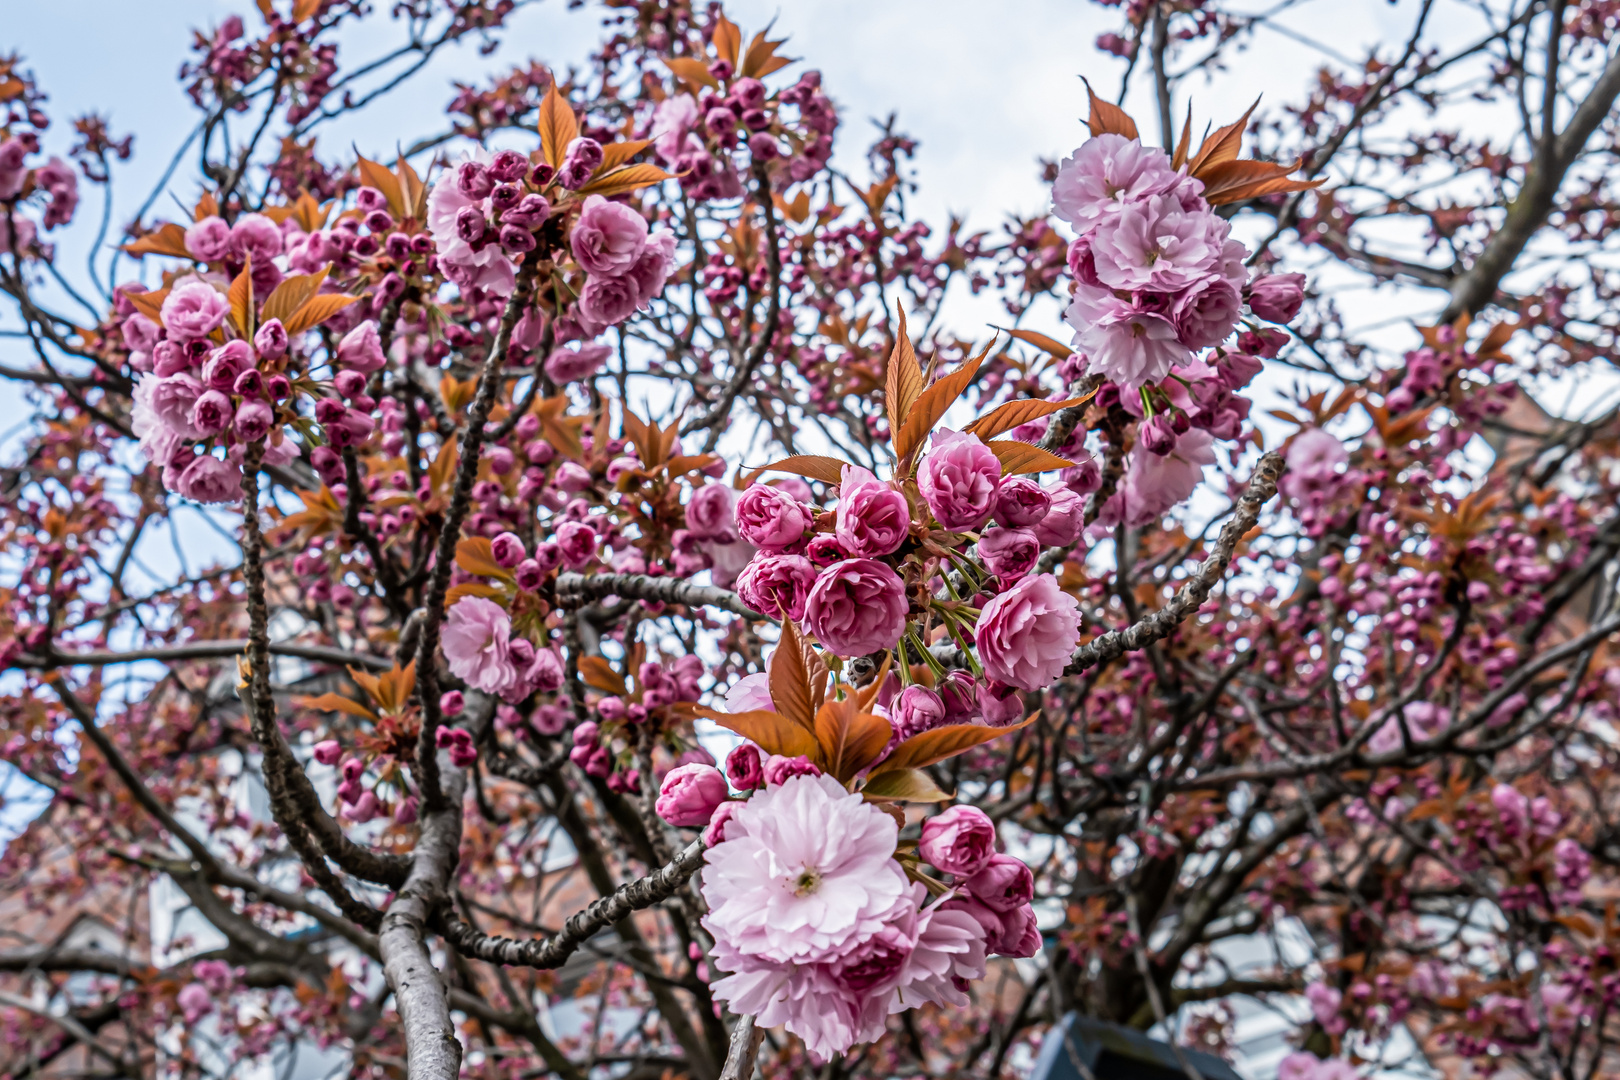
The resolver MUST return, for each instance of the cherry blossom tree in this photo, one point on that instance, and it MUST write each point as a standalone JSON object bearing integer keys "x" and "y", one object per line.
{"x": 664, "y": 648}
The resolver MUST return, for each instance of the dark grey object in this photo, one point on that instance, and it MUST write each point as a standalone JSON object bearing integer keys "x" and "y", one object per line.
{"x": 1080, "y": 1044}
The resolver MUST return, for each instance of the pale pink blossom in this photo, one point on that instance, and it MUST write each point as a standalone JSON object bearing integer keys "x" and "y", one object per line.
{"x": 771, "y": 519}
{"x": 873, "y": 518}
{"x": 959, "y": 841}
{"x": 209, "y": 240}
{"x": 608, "y": 238}
{"x": 857, "y": 607}
{"x": 1315, "y": 460}
{"x": 489, "y": 269}
{"x": 959, "y": 479}
{"x": 777, "y": 585}
{"x": 750, "y": 693}
{"x": 1206, "y": 312}
{"x": 1108, "y": 173}
{"x": 1153, "y": 484}
{"x": 161, "y": 418}
{"x": 1028, "y": 633}
{"x": 206, "y": 479}
{"x": 1159, "y": 244}
{"x": 193, "y": 310}
{"x": 1126, "y": 345}
{"x": 477, "y": 644}
{"x": 806, "y": 872}
{"x": 566, "y": 365}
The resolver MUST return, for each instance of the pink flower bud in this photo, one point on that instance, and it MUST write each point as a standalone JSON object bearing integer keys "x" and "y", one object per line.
{"x": 960, "y": 841}
{"x": 745, "y": 768}
{"x": 1002, "y": 883}
{"x": 328, "y": 751}
{"x": 689, "y": 795}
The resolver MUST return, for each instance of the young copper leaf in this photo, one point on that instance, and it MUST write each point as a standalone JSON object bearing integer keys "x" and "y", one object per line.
{"x": 469, "y": 588}
{"x": 167, "y": 239}
{"x": 626, "y": 179}
{"x": 412, "y": 190}
{"x": 240, "y": 296}
{"x": 1008, "y": 416}
{"x": 207, "y": 206}
{"x": 1237, "y": 181}
{"x": 933, "y": 404}
{"x": 293, "y": 293}
{"x": 790, "y": 680}
{"x": 1179, "y": 158}
{"x": 380, "y": 177}
{"x": 1051, "y": 346}
{"x": 1022, "y": 457}
{"x": 727, "y": 39}
{"x": 934, "y": 746}
{"x": 475, "y": 555}
{"x": 1223, "y": 145}
{"x": 558, "y": 127}
{"x": 829, "y": 470}
{"x": 849, "y": 738}
{"x": 599, "y": 674}
{"x": 335, "y": 703}
{"x": 1106, "y": 118}
{"x": 616, "y": 154}
{"x": 869, "y": 693}
{"x": 904, "y": 785}
{"x": 691, "y": 70}
{"x": 904, "y": 383}
{"x": 761, "y": 59}
{"x": 316, "y": 310}
{"x": 771, "y": 731}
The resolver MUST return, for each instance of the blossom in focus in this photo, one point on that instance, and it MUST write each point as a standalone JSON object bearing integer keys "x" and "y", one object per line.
{"x": 477, "y": 644}
{"x": 873, "y": 517}
{"x": 689, "y": 795}
{"x": 1027, "y": 634}
{"x": 608, "y": 238}
{"x": 958, "y": 479}
{"x": 488, "y": 268}
{"x": 1107, "y": 174}
{"x": 857, "y": 607}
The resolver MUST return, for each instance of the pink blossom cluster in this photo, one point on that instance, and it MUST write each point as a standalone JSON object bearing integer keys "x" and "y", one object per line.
{"x": 54, "y": 183}
{"x": 483, "y": 652}
{"x": 817, "y": 926}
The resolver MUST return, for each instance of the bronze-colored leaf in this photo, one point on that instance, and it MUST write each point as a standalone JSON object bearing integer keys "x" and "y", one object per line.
{"x": 727, "y": 40}
{"x": 626, "y": 179}
{"x": 475, "y": 554}
{"x": 934, "y": 746}
{"x": 335, "y": 703}
{"x": 904, "y": 785}
{"x": 1021, "y": 457}
{"x": 1107, "y": 118}
{"x": 1238, "y": 181}
{"x": 616, "y": 154}
{"x": 412, "y": 190}
{"x": 293, "y": 293}
{"x": 1051, "y": 346}
{"x": 469, "y": 588}
{"x": 599, "y": 674}
{"x": 207, "y": 206}
{"x": 904, "y": 382}
{"x": 692, "y": 70}
{"x": 932, "y": 404}
{"x": 761, "y": 59}
{"x": 849, "y": 739}
{"x": 316, "y": 310}
{"x": 149, "y": 304}
{"x": 789, "y": 678}
{"x": 378, "y": 175}
{"x": 829, "y": 470}
{"x": 166, "y": 239}
{"x": 240, "y": 296}
{"x": 770, "y": 731}
{"x": 1179, "y": 158}
{"x": 1010, "y": 415}
{"x": 558, "y": 127}
{"x": 1223, "y": 144}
